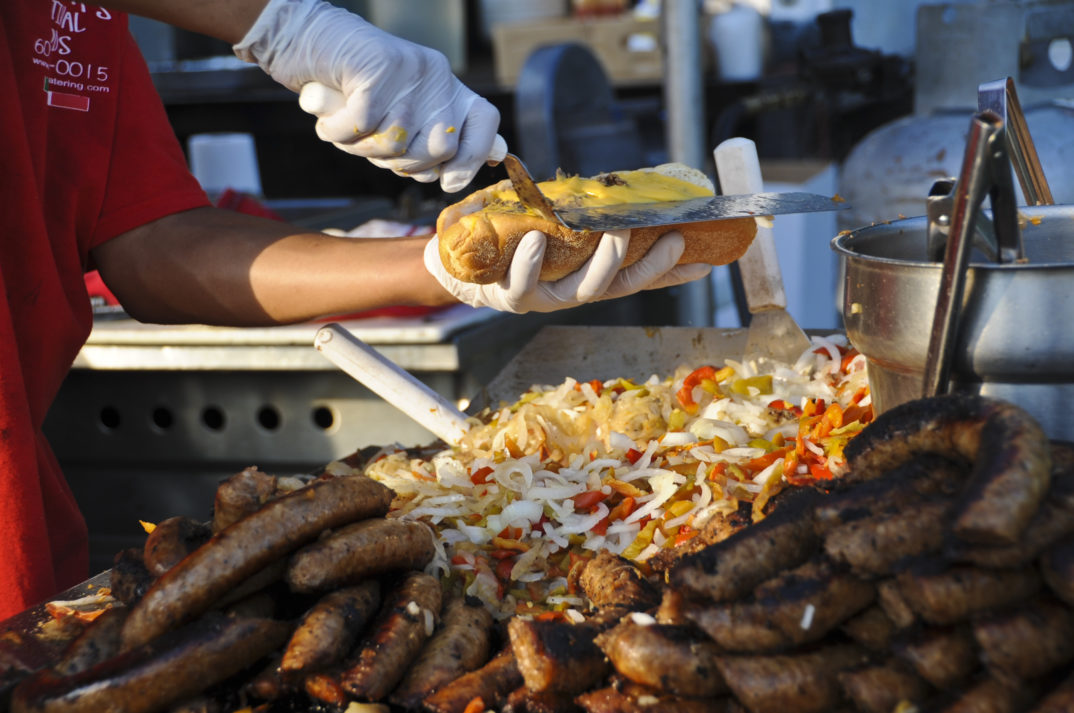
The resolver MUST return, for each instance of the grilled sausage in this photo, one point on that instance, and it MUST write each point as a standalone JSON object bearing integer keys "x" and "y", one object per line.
{"x": 797, "y": 607}
{"x": 557, "y": 656}
{"x": 461, "y": 644}
{"x": 1026, "y": 643}
{"x": 492, "y": 684}
{"x": 407, "y": 620}
{"x": 873, "y": 546}
{"x": 523, "y": 700}
{"x": 1057, "y": 566}
{"x": 172, "y": 540}
{"x": 729, "y": 569}
{"x": 944, "y": 656}
{"x": 947, "y": 595}
{"x": 98, "y": 642}
{"x": 614, "y": 699}
{"x": 171, "y": 669}
{"x": 1059, "y": 700}
{"x": 891, "y": 600}
{"x": 268, "y": 684}
{"x": 675, "y": 659}
{"x": 199, "y": 704}
{"x": 1009, "y": 451}
{"x": 800, "y": 682}
{"x": 326, "y": 687}
{"x": 610, "y": 580}
{"x": 879, "y": 688}
{"x": 871, "y": 628}
{"x": 717, "y": 528}
{"x": 991, "y": 696}
{"x": 853, "y": 498}
{"x": 129, "y": 579}
{"x": 241, "y": 494}
{"x": 329, "y": 629}
{"x": 248, "y": 546}
{"x": 741, "y": 627}
{"x": 1053, "y": 521}
{"x": 360, "y": 550}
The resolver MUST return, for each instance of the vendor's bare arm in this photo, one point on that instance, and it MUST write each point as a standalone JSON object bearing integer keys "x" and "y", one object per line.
{"x": 226, "y": 20}
{"x": 211, "y": 266}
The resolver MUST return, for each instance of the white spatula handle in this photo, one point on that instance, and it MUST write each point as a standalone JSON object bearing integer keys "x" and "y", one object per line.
{"x": 739, "y": 171}
{"x": 392, "y": 383}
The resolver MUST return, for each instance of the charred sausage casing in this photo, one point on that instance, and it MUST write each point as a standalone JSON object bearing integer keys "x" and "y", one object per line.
{"x": 879, "y": 688}
{"x": 1008, "y": 450}
{"x": 676, "y": 659}
{"x": 800, "y": 682}
{"x": 461, "y": 644}
{"x": 241, "y": 494}
{"x": 172, "y": 540}
{"x": 329, "y": 629}
{"x": 407, "y": 620}
{"x": 797, "y": 607}
{"x": 248, "y": 546}
{"x": 360, "y": 550}
{"x": 557, "y": 656}
{"x": 1028, "y": 642}
{"x": 940, "y": 594}
{"x": 730, "y": 569}
{"x": 943, "y": 656}
{"x": 148, "y": 678}
{"x": 610, "y": 580}
{"x": 492, "y": 683}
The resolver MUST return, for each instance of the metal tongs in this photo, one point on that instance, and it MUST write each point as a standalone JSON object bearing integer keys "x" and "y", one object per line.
{"x": 998, "y": 138}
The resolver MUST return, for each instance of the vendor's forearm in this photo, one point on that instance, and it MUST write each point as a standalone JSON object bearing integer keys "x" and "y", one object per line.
{"x": 210, "y": 266}
{"x": 226, "y": 20}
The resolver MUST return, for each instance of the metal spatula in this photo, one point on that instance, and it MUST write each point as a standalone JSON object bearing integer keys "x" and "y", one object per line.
{"x": 641, "y": 215}
{"x": 773, "y": 333}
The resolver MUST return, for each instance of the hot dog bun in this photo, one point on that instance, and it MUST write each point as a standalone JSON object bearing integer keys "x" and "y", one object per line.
{"x": 478, "y": 235}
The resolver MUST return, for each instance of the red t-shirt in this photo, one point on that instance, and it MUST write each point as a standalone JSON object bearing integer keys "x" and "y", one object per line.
{"x": 88, "y": 154}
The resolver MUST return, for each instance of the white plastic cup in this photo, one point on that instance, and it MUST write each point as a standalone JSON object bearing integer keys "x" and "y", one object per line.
{"x": 222, "y": 161}
{"x": 739, "y": 40}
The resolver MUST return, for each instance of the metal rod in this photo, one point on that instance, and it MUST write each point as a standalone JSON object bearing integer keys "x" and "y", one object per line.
{"x": 1001, "y": 97}
{"x": 973, "y": 185}
{"x": 684, "y": 98}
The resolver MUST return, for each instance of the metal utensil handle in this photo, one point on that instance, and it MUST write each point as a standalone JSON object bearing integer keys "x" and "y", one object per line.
{"x": 391, "y": 382}
{"x": 974, "y": 183}
{"x": 316, "y": 98}
{"x": 528, "y": 192}
{"x": 739, "y": 171}
{"x": 1001, "y": 97}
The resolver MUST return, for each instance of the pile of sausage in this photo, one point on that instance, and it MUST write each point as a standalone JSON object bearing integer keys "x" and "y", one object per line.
{"x": 306, "y": 594}
{"x": 938, "y": 575}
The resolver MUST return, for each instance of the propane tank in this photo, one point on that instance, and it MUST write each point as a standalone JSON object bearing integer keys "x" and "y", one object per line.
{"x": 959, "y": 46}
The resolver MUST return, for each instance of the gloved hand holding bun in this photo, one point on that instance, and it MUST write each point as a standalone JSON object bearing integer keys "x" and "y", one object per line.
{"x": 601, "y": 277}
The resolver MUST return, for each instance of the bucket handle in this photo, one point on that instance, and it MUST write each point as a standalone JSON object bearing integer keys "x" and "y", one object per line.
{"x": 985, "y": 171}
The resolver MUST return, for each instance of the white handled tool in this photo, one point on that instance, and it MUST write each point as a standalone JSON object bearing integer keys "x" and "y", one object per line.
{"x": 316, "y": 98}
{"x": 773, "y": 333}
{"x": 392, "y": 383}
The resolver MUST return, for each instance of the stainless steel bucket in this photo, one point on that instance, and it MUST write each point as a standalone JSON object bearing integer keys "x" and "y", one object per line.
{"x": 1016, "y": 331}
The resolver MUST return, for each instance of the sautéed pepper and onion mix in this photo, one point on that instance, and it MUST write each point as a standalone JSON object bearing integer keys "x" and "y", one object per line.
{"x": 542, "y": 484}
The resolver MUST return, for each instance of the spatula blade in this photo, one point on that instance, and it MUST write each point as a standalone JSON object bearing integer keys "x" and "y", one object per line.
{"x": 640, "y": 215}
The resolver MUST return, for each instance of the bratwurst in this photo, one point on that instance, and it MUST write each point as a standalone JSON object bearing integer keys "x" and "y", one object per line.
{"x": 248, "y": 546}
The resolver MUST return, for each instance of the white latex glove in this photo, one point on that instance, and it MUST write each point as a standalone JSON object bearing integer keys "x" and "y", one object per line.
{"x": 404, "y": 110}
{"x": 600, "y": 278}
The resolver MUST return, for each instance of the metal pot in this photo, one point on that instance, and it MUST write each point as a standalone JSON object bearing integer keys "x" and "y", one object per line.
{"x": 1015, "y": 337}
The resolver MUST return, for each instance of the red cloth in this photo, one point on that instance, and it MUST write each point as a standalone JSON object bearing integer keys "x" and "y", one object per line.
{"x": 88, "y": 154}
